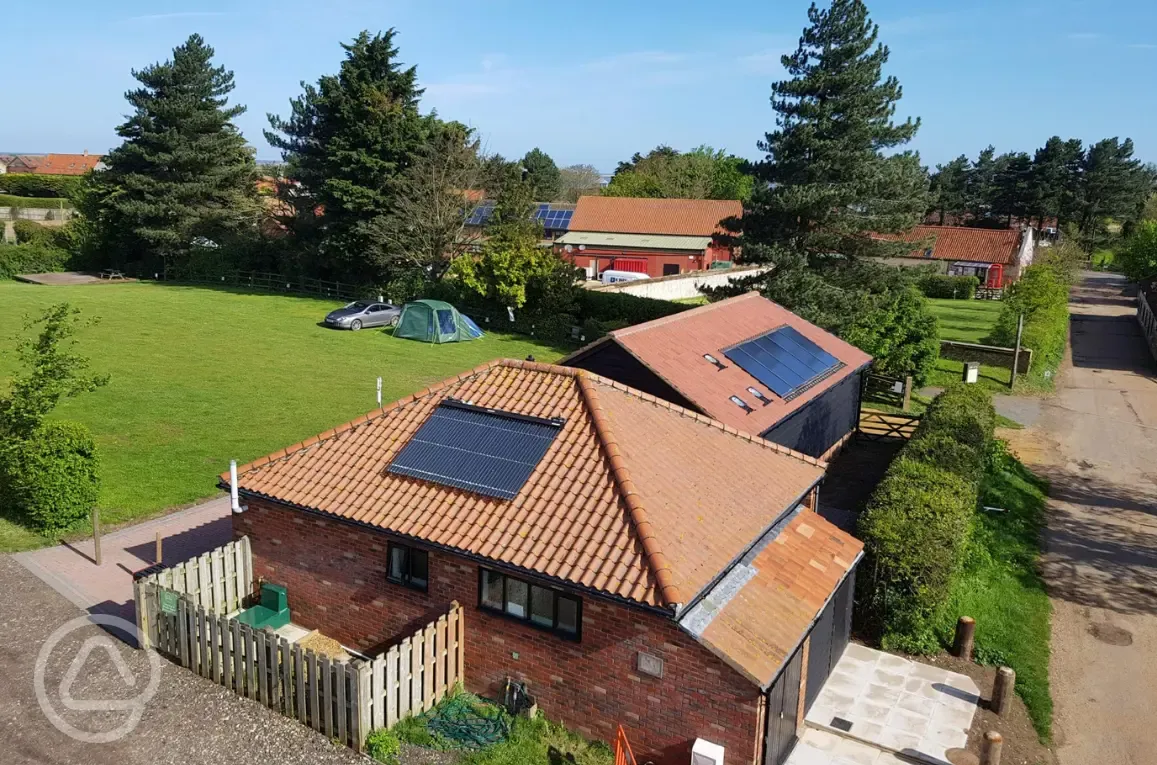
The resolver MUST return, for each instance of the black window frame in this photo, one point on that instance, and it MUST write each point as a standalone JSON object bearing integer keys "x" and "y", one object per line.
{"x": 528, "y": 619}
{"x": 406, "y": 580}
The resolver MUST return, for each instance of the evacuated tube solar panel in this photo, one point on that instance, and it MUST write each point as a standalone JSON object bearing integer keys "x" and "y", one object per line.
{"x": 783, "y": 360}
{"x": 478, "y": 451}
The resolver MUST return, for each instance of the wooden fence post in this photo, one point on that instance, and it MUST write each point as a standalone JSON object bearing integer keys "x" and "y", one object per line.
{"x": 908, "y": 393}
{"x": 1002, "y": 690}
{"x": 363, "y": 686}
{"x": 965, "y": 635}
{"x": 993, "y": 743}
{"x": 96, "y": 535}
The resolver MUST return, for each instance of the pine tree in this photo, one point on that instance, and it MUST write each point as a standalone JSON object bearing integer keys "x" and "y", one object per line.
{"x": 1113, "y": 184}
{"x": 347, "y": 142}
{"x": 1013, "y": 186}
{"x": 825, "y": 185}
{"x": 950, "y": 185}
{"x": 183, "y": 176}
{"x": 982, "y": 184}
{"x": 543, "y": 175}
{"x": 1056, "y": 175}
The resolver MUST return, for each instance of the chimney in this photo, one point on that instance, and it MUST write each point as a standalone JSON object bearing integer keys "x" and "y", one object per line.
{"x": 86, "y": 152}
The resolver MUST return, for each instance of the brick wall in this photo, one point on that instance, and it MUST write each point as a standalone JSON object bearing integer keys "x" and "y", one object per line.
{"x": 335, "y": 574}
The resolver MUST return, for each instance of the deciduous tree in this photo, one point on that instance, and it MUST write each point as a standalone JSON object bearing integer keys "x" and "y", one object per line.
{"x": 579, "y": 180}
{"x": 702, "y": 173}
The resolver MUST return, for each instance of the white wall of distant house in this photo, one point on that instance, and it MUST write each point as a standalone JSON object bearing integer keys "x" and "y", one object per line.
{"x": 682, "y": 286}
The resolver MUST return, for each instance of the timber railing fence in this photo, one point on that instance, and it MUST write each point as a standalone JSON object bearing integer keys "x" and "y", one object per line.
{"x": 188, "y": 613}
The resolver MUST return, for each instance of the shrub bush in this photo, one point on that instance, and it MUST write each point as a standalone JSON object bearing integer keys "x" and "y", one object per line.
{"x": 50, "y": 480}
{"x": 31, "y": 232}
{"x": 383, "y": 745}
{"x": 944, "y": 286}
{"x": 962, "y": 412}
{"x": 946, "y": 453}
{"x": 34, "y": 185}
{"x": 30, "y": 259}
{"x": 619, "y": 306}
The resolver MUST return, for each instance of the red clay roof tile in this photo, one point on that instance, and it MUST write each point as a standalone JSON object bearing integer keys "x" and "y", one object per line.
{"x": 974, "y": 245}
{"x": 675, "y": 217}
{"x": 621, "y": 502}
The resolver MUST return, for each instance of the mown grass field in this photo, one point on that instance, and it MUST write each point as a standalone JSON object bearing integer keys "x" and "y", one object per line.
{"x": 967, "y": 321}
{"x": 1001, "y": 587}
{"x": 201, "y": 376}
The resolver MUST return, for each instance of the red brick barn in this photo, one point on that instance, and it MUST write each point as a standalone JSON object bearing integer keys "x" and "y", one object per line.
{"x": 746, "y": 362}
{"x": 657, "y": 237}
{"x": 631, "y": 561}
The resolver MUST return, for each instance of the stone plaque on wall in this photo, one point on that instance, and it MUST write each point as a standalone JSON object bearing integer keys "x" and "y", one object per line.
{"x": 650, "y": 664}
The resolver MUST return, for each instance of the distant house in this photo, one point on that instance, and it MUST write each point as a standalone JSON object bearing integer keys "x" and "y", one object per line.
{"x": 995, "y": 256}
{"x": 657, "y": 237}
{"x": 747, "y": 362}
{"x": 630, "y": 561}
{"x": 5, "y": 160}
{"x": 24, "y": 163}
{"x": 67, "y": 164}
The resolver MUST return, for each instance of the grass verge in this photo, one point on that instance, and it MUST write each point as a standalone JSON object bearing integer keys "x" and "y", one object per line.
{"x": 200, "y": 376}
{"x": 1000, "y": 585}
{"x": 39, "y": 203}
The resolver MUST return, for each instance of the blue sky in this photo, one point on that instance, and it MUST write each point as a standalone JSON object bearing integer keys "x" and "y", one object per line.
{"x": 594, "y": 81}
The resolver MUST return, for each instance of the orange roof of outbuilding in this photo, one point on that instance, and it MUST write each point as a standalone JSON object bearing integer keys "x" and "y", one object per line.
{"x": 67, "y": 164}
{"x": 673, "y": 348}
{"x": 674, "y": 217}
{"x": 961, "y": 243}
{"x": 623, "y": 502}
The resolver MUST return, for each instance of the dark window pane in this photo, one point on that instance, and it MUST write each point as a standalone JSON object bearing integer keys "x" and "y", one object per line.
{"x": 516, "y": 596}
{"x": 397, "y": 570}
{"x": 491, "y": 589}
{"x": 568, "y": 615}
{"x": 419, "y": 568}
{"x": 542, "y": 606}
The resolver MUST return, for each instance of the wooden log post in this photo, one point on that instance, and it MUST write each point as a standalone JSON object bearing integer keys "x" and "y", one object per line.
{"x": 908, "y": 393}
{"x": 1002, "y": 690}
{"x": 159, "y": 557}
{"x": 965, "y": 636}
{"x": 993, "y": 743}
{"x": 96, "y": 535}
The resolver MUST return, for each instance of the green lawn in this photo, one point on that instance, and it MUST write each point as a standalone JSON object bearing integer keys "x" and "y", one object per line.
{"x": 1001, "y": 587}
{"x": 200, "y": 376}
{"x": 966, "y": 321}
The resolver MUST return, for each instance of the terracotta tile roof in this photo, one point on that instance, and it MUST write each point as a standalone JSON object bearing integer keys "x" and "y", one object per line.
{"x": 975, "y": 245}
{"x": 788, "y": 583}
{"x": 622, "y": 502}
{"x": 67, "y": 164}
{"x": 673, "y": 348}
{"x": 627, "y": 215}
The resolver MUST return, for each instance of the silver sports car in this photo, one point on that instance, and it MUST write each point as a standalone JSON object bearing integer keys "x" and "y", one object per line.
{"x": 363, "y": 313}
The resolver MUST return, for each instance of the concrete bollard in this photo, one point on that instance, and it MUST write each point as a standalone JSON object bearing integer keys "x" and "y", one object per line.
{"x": 1002, "y": 689}
{"x": 965, "y": 635}
{"x": 993, "y": 743}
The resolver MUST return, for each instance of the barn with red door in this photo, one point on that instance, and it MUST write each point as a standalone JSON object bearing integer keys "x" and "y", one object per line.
{"x": 656, "y": 237}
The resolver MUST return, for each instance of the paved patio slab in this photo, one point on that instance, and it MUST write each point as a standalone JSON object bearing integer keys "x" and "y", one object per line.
{"x": 818, "y": 747}
{"x": 70, "y": 569}
{"x": 896, "y": 705}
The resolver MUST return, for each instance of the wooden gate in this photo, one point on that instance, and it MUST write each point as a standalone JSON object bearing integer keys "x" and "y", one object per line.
{"x": 879, "y": 426}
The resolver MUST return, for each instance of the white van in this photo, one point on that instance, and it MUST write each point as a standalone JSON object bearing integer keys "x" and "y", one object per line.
{"x": 614, "y": 277}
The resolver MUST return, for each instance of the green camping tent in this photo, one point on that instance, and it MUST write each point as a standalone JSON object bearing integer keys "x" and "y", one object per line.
{"x": 433, "y": 321}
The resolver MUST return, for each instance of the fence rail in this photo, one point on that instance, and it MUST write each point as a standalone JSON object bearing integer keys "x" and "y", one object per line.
{"x": 1146, "y": 318}
{"x": 878, "y": 426}
{"x": 272, "y": 283}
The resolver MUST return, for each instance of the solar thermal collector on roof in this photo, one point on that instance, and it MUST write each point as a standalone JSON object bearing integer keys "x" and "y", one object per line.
{"x": 484, "y": 451}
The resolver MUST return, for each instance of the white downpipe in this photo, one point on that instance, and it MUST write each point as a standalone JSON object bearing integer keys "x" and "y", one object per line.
{"x": 235, "y": 502}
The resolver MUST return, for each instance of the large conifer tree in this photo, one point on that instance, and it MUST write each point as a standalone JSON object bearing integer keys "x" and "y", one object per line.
{"x": 347, "y": 142}
{"x": 825, "y": 183}
{"x": 184, "y": 174}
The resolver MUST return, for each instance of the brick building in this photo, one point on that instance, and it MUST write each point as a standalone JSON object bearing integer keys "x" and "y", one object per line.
{"x": 658, "y": 237}
{"x": 997, "y": 257}
{"x": 602, "y": 559}
{"x": 746, "y": 362}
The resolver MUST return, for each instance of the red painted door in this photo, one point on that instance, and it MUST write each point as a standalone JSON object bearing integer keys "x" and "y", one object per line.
{"x": 636, "y": 265}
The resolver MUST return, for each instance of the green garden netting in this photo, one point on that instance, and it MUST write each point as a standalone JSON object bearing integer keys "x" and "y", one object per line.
{"x": 468, "y": 723}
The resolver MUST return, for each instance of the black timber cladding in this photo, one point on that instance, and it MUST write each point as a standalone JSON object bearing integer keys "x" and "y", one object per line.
{"x": 484, "y": 451}
{"x": 820, "y": 423}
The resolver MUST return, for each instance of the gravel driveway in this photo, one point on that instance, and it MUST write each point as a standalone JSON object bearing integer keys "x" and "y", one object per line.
{"x": 1096, "y": 441}
{"x": 188, "y": 720}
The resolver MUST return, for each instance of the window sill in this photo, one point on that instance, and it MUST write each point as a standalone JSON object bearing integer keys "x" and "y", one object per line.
{"x": 415, "y": 588}
{"x": 567, "y": 636}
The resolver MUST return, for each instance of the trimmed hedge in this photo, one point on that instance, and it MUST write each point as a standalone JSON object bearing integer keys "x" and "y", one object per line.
{"x": 32, "y": 258}
{"x": 916, "y": 527}
{"x": 37, "y": 203}
{"x": 944, "y": 286}
{"x": 1042, "y": 295}
{"x": 51, "y": 481}
{"x": 31, "y": 232}
{"x": 34, "y": 185}
{"x": 621, "y": 307}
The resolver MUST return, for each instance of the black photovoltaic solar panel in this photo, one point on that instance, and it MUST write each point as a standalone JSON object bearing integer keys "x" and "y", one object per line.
{"x": 783, "y": 360}
{"x": 484, "y": 451}
{"x": 550, "y": 218}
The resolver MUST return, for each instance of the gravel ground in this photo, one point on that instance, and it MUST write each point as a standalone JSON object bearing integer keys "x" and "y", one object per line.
{"x": 188, "y": 720}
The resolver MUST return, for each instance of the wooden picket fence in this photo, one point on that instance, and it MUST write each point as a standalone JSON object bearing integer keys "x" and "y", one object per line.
{"x": 414, "y": 675}
{"x": 219, "y": 581}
